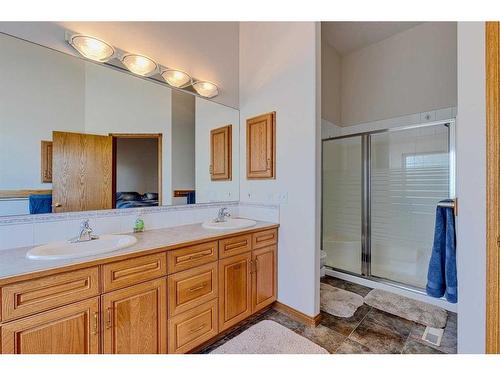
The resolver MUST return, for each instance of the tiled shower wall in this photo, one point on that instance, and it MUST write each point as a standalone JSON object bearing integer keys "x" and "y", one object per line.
{"x": 19, "y": 231}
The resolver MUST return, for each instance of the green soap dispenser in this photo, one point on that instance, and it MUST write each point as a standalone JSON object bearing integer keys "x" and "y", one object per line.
{"x": 139, "y": 225}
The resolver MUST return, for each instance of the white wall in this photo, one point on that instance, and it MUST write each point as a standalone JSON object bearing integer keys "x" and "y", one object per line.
{"x": 137, "y": 165}
{"x": 471, "y": 188}
{"x": 30, "y": 109}
{"x": 278, "y": 73}
{"x": 413, "y": 71}
{"x": 183, "y": 149}
{"x": 206, "y": 50}
{"x": 211, "y": 116}
{"x": 410, "y": 72}
{"x": 330, "y": 83}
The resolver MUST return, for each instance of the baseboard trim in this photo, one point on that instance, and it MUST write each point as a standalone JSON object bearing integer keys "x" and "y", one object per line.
{"x": 311, "y": 321}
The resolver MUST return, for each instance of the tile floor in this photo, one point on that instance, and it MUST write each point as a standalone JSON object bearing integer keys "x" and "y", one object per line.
{"x": 368, "y": 331}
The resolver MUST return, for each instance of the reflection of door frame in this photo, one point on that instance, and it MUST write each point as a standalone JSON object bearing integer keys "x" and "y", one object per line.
{"x": 158, "y": 137}
{"x": 492, "y": 186}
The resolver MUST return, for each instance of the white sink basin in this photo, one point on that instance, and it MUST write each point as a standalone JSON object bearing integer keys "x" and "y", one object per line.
{"x": 229, "y": 224}
{"x": 68, "y": 250}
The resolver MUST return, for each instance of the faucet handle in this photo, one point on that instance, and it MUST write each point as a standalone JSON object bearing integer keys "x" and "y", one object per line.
{"x": 85, "y": 224}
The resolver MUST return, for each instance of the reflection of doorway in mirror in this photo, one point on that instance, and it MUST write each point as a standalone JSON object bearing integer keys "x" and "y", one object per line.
{"x": 137, "y": 170}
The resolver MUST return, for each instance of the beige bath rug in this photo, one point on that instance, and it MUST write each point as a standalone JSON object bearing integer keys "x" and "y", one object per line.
{"x": 407, "y": 308}
{"x": 339, "y": 302}
{"x": 269, "y": 337}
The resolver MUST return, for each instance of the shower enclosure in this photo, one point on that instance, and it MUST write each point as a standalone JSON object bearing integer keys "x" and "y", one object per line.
{"x": 379, "y": 192}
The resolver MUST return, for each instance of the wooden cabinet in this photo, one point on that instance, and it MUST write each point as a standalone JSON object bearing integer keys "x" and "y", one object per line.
{"x": 29, "y": 297}
{"x": 264, "y": 277}
{"x": 264, "y": 238}
{"x": 192, "y": 328}
{"x": 261, "y": 147}
{"x": 235, "y": 286}
{"x": 190, "y": 288}
{"x": 221, "y": 153}
{"x": 135, "y": 319}
{"x": 46, "y": 159}
{"x": 191, "y": 256}
{"x": 235, "y": 245}
{"x": 72, "y": 329}
{"x": 128, "y": 306}
{"x": 133, "y": 271}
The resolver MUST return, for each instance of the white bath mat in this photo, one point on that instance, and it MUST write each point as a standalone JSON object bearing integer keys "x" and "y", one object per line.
{"x": 269, "y": 337}
{"x": 339, "y": 302}
{"x": 407, "y": 308}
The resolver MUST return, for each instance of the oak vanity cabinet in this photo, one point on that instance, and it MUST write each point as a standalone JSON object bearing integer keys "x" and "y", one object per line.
{"x": 247, "y": 281}
{"x": 168, "y": 301}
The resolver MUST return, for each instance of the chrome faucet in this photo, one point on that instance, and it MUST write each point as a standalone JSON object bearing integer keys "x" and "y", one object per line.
{"x": 85, "y": 233}
{"x": 222, "y": 214}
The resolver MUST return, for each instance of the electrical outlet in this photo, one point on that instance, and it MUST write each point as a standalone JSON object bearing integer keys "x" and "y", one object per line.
{"x": 283, "y": 197}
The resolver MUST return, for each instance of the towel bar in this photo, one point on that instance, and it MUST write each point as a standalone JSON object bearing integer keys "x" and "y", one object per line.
{"x": 452, "y": 204}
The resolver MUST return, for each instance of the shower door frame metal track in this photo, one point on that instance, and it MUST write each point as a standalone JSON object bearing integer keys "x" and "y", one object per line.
{"x": 366, "y": 195}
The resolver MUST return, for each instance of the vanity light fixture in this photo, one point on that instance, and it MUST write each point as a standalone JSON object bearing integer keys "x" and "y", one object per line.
{"x": 92, "y": 48}
{"x": 139, "y": 64}
{"x": 98, "y": 50}
{"x": 176, "y": 78}
{"x": 206, "y": 89}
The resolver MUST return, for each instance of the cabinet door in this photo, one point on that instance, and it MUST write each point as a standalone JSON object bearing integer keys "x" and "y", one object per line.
{"x": 264, "y": 277}
{"x": 220, "y": 153}
{"x": 235, "y": 290}
{"x": 261, "y": 146}
{"x": 72, "y": 329}
{"x": 135, "y": 319}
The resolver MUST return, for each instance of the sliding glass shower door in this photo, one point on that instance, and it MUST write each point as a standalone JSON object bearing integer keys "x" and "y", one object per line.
{"x": 342, "y": 182}
{"x": 380, "y": 192}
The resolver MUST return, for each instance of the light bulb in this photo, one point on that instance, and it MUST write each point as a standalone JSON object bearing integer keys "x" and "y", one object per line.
{"x": 176, "y": 78}
{"x": 92, "y": 48}
{"x": 139, "y": 64}
{"x": 206, "y": 89}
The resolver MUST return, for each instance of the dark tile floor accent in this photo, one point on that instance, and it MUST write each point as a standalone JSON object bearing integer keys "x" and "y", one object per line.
{"x": 368, "y": 331}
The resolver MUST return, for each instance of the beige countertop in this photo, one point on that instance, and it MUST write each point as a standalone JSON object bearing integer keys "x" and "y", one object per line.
{"x": 14, "y": 264}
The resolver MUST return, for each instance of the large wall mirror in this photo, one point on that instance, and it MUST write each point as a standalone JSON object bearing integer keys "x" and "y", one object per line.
{"x": 77, "y": 135}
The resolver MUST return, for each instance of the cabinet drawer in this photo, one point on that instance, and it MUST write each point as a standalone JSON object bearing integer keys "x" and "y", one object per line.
{"x": 32, "y": 296}
{"x": 188, "y": 289}
{"x": 190, "y": 329}
{"x": 192, "y": 256}
{"x": 133, "y": 271}
{"x": 264, "y": 238}
{"x": 235, "y": 245}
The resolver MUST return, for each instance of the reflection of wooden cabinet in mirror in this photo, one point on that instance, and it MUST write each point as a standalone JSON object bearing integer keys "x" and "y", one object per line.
{"x": 81, "y": 172}
{"x": 221, "y": 153}
{"x": 46, "y": 159}
{"x": 261, "y": 146}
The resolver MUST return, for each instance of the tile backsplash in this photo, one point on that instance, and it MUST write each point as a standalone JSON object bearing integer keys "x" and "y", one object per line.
{"x": 19, "y": 231}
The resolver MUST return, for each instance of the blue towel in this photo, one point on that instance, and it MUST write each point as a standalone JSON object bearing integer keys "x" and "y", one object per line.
{"x": 191, "y": 197}
{"x": 40, "y": 203}
{"x": 442, "y": 274}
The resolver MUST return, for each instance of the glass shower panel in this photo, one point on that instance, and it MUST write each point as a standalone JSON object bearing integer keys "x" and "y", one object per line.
{"x": 409, "y": 175}
{"x": 342, "y": 171}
